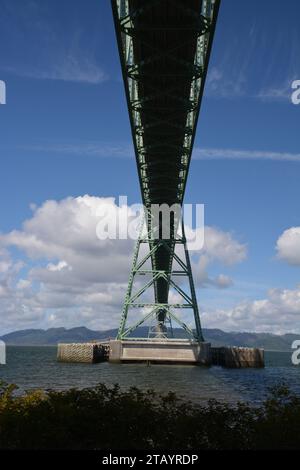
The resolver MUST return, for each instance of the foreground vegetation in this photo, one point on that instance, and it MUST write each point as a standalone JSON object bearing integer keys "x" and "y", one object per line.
{"x": 108, "y": 418}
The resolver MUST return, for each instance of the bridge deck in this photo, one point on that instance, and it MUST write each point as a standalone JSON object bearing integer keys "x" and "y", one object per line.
{"x": 164, "y": 47}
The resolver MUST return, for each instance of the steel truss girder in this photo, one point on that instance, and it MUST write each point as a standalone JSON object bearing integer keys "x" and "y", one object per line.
{"x": 133, "y": 75}
{"x": 163, "y": 120}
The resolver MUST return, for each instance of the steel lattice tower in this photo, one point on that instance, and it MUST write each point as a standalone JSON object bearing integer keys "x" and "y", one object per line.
{"x": 164, "y": 48}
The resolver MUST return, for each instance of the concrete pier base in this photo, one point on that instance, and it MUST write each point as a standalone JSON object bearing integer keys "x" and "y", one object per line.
{"x": 235, "y": 358}
{"x": 160, "y": 351}
{"x": 82, "y": 352}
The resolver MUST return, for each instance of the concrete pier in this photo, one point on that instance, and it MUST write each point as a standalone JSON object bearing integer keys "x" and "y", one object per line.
{"x": 237, "y": 357}
{"x": 160, "y": 351}
{"x": 82, "y": 352}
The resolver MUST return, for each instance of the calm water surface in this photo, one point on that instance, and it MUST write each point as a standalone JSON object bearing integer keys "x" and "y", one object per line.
{"x": 36, "y": 367}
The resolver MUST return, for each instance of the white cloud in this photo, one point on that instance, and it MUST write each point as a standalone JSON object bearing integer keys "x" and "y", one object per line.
{"x": 223, "y": 281}
{"x": 43, "y": 46}
{"x": 71, "y": 277}
{"x": 288, "y": 246}
{"x": 279, "y": 313}
{"x": 234, "y": 74}
{"x": 109, "y": 150}
{"x": 59, "y": 266}
{"x": 240, "y": 154}
{"x": 220, "y": 84}
{"x": 276, "y": 93}
{"x": 69, "y": 69}
{"x": 222, "y": 248}
{"x": 90, "y": 149}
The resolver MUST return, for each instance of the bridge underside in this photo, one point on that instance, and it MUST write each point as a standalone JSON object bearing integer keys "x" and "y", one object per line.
{"x": 164, "y": 48}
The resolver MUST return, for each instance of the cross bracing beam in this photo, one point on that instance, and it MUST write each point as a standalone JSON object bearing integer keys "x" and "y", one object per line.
{"x": 162, "y": 311}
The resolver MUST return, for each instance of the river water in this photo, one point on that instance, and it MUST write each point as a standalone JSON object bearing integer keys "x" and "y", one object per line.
{"x": 36, "y": 367}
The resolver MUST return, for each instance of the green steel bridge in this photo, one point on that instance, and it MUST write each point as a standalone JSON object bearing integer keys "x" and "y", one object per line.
{"x": 164, "y": 48}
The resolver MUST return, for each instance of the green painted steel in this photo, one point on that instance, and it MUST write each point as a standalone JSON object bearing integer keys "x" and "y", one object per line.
{"x": 187, "y": 295}
{"x": 164, "y": 48}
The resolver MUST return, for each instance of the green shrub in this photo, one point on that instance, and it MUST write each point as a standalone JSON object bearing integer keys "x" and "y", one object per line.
{"x": 109, "y": 418}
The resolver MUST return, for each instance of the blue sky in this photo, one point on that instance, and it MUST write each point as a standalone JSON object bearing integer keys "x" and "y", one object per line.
{"x": 65, "y": 133}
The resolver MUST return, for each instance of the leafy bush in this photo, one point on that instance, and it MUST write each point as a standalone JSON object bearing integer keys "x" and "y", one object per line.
{"x": 108, "y": 418}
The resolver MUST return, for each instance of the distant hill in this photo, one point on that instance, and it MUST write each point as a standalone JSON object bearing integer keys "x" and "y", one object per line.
{"x": 55, "y": 335}
{"x": 217, "y": 337}
{"x": 267, "y": 341}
